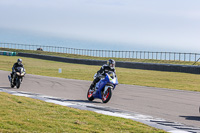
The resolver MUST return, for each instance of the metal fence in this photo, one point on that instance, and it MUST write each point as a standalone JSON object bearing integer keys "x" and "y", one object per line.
{"x": 171, "y": 56}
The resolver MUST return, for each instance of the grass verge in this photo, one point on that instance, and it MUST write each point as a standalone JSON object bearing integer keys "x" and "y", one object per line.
{"x": 21, "y": 114}
{"x": 102, "y": 58}
{"x": 171, "y": 80}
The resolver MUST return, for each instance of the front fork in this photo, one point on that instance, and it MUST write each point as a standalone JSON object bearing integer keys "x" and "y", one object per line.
{"x": 106, "y": 88}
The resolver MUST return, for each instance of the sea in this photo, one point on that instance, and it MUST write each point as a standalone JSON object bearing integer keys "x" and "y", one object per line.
{"x": 33, "y": 38}
{"x": 21, "y": 37}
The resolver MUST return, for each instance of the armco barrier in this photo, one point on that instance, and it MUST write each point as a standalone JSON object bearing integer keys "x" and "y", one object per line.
{"x": 63, "y": 59}
{"x": 134, "y": 65}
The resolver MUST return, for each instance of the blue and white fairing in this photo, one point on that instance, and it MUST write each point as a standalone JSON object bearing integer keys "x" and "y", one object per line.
{"x": 110, "y": 80}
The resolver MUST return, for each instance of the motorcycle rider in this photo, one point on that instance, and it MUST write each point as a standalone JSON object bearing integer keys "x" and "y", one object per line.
{"x": 17, "y": 64}
{"x": 110, "y": 66}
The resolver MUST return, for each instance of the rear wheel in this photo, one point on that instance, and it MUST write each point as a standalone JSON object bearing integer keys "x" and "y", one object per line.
{"x": 107, "y": 95}
{"x": 90, "y": 94}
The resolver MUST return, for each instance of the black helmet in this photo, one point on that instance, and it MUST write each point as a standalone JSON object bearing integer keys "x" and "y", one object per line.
{"x": 111, "y": 63}
{"x": 19, "y": 61}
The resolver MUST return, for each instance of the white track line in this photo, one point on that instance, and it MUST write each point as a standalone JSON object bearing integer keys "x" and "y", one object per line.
{"x": 171, "y": 127}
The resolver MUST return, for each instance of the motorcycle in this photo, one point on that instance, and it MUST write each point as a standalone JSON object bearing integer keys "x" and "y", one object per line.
{"x": 103, "y": 88}
{"x": 17, "y": 77}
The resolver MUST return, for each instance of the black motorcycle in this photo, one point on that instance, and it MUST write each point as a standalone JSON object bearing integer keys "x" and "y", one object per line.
{"x": 17, "y": 77}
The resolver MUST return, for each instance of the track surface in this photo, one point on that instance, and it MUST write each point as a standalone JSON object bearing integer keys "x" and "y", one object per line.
{"x": 173, "y": 105}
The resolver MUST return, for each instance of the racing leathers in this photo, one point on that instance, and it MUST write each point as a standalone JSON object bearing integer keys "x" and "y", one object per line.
{"x": 102, "y": 73}
{"x": 14, "y": 68}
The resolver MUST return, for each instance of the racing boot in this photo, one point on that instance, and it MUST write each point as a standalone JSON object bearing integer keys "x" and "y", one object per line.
{"x": 12, "y": 78}
{"x": 92, "y": 86}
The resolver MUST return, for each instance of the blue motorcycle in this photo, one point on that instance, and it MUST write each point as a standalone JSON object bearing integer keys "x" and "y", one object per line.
{"x": 103, "y": 89}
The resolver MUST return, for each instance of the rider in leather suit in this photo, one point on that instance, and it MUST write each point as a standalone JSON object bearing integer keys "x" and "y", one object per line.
{"x": 17, "y": 64}
{"x": 110, "y": 66}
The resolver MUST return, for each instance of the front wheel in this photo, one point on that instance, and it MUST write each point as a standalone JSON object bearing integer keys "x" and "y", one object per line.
{"x": 107, "y": 95}
{"x": 18, "y": 82}
{"x": 90, "y": 94}
{"x": 11, "y": 85}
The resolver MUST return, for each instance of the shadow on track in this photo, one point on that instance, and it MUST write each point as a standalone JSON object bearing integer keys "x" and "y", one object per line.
{"x": 193, "y": 118}
{"x": 78, "y": 101}
{"x": 83, "y": 101}
{"x": 6, "y": 88}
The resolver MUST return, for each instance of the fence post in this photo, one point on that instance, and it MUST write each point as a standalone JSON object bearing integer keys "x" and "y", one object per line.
{"x": 174, "y": 56}
{"x": 156, "y": 55}
{"x": 152, "y": 55}
{"x": 184, "y": 56}
{"x": 190, "y": 57}
{"x": 132, "y": 54}
{"x": 136, "y": 54}
{"x": 140, "y": 54}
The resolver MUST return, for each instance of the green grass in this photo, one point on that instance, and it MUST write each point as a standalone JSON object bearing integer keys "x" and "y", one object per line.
{"x": 102, "y": 58}
{"x": 21, "y": 114}
{"x": 171, "y": 80}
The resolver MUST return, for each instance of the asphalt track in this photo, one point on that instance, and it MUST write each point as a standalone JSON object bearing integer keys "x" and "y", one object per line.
{"x": 172, "y": 105}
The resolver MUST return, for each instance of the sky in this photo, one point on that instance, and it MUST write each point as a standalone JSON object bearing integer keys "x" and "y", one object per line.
{"x": 159, "y": 25}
